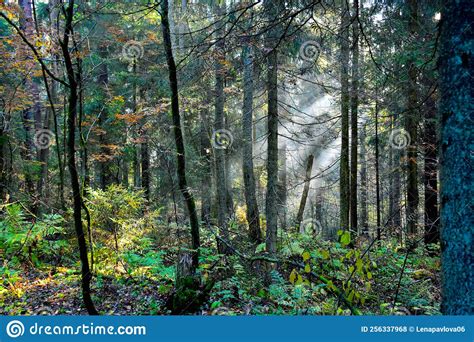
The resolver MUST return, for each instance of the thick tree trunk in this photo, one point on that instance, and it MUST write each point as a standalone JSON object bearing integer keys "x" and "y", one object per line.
{"x": 411, "y": 127}
{"x": 71, "y": 161}
{"x": 344, "y": 186}
{"x": 304, "y": 195}
{"x": 253, "y": 216}
{"x": 271, "y": 205}
{"x": 354, "y": 117}
{"x": 457, "y": 189}
{"x": 178, "y": 136}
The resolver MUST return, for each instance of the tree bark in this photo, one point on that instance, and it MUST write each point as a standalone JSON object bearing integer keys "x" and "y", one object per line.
{"x": 271, "y": 205}
{"x": 219, "y": 124}
{"x": 411, "y": 127}
{"x": 105, "y": 162}
{"x": 28, "y": 150}
{"x": 354, "y": 116}
{"x": 456, "y": 67}
{"x": 431, "y": 173}
{"x": 377, "y": 168}
{"x": 364, "y": 217}
{"x": 71, "y": 160}
{"x": 344, "y": 163}
{"x": 206, "y": 175}
{"x": 178, "y": 135}
{"x": 252, "y": 213}
{"x": 304, "y": 195}
{"x": 145, "y": 159}
{"x": 283, "y": 192}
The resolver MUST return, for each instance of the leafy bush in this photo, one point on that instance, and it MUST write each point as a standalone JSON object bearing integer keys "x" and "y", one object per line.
{"x": 43, "y": 238}
{"x": 115, "y": 207}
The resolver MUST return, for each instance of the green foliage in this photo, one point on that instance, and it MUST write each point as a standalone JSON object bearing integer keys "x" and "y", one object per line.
{"x": 20, "y": 238}
{"x": 115, "y": 207}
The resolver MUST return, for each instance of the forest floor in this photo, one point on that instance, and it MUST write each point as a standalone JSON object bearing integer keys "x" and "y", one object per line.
{"x": 51, "y": 290}
{"x": 135, "y": 256}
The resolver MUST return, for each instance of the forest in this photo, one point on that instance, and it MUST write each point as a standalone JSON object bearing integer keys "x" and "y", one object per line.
{"x": 236, "y": 157}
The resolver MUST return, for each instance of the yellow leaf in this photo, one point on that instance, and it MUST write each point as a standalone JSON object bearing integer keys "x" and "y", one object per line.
{"x": 307, "y": 268}
{"x": 306, "y": 256}
{"x": 293, "y": 276}
{"x": 325, "y": 254}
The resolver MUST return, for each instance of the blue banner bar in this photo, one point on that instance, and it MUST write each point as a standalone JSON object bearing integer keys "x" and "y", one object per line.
{"x": 242, "y": 329}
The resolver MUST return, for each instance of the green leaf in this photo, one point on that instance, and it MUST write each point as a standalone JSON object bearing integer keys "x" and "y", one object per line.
{"x": 215, "y": 304}
{"x": 260, "y": 248}
{"x": 346, "y": 238}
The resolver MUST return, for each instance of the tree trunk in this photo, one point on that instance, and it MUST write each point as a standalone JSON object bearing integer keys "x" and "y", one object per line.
{"x": 145, "y": 159}
{"x": 344, "y": 163}
{"x": 377, "y": 168}
{"x": 253, "y": 216}
{"x": 304, "y": 195}
{"x": 457, "y": 191}
{"x": 354, "y": 117}
{"x": 28, "y": 150}
{"x": 271, "y": 205}
{"x": 219, "y": 125}
{"x": 364, "y": 218}
{"x": 105, "y": 172}
{"x": 282, "y": 193}
{"x": 411, "y": 126}
{"x": 395, "y": 215}
{"x": 431, "y": 173}
{"x": 178, "y": 136}
{"x": 71, "y": 161}
{"x": 206, "y": 175}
